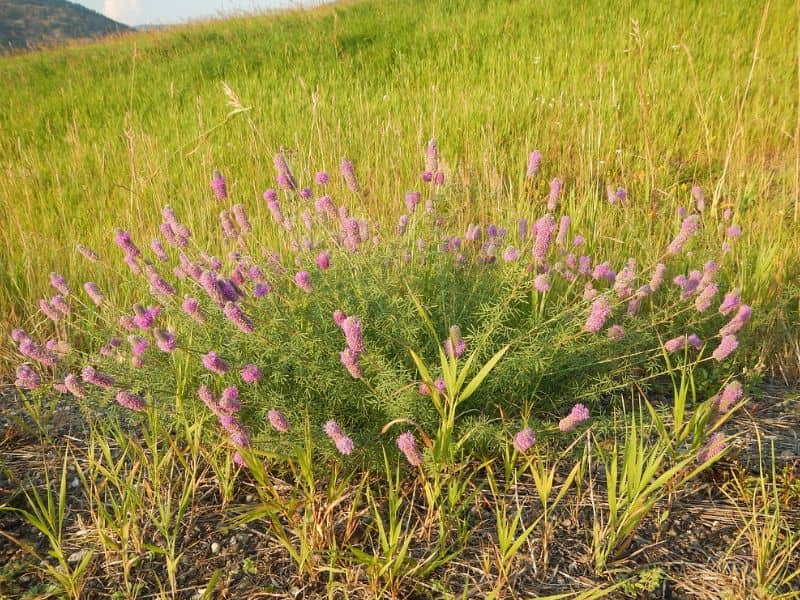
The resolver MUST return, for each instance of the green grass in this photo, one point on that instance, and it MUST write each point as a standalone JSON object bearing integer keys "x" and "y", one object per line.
{"x": 652, "y": 95}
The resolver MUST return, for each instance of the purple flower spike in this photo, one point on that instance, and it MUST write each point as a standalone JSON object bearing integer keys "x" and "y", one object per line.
{"x": 229, "y": 400}
{"x": 351, "y": 327}
{"x": 454, "y": 345}
{"x": 284, "y": 174}
{"x": 675, "y": 344}
{"x": 601, "y": 310}
{"x": 59, "y": 283}
{"x": 577, "y": 415}
{"x": 74, "y": 386}
{"x": 438, "y": 178}
{"x": 731, "y": 394}
{"x": 88, "y": 253}
{"x": 49, "y": 310}
{"x": 238, "y": 459}
{"x": 215, "y": 364}
{"x": 534, "y": 162}
{"x": 688, "y": 227}
{"x": 278, "y": 421}
{"x": 303, "y": 280}
{"x": 555, "y": 193}
{"x": 27, "y": 378}
{"x": 432, "y": 156}
{"x": 727, "y": 345}
{"x": 350, "y": 361}
{"x": 426, "y": 176}
{"x": 191, "y": 306}
{"x": 543, "y": 229}
{"x": 408, "y": 446}
{"x": 250, "y": 374}
{"x": 511, "y": 254}
{"x": 323, "y": 261}
{"x": 737, "y": 322}
{"x": 524, "y": 440}
{"x": 694, "y": 341}
{"x": 339, "y": 316}
{"x": 541, "y": 283}
{"x": 332, "y": 429}
{"x": 29, "y": 348}
{"x": 165, "y": 340}
{"x": 730, "y": 302}
{"x": 94, "y": 292}
{"x": 563, "y": 231}
{"x": 123, "y": 239}
{"x": 704, "y": 298}
{"x": 715, "y": 444}
{"x": 236, "y": 316}
{"x": 321, "y": 178}
{"x": 241, "y": 218}
{"x": 349, "y": 175}
{"x": 440, "y": 385}
{"x": 616, "y": 333}
{"x": 412, "y": 200}
{"x": 219, "y": 185}
{"x": 130, "y": 401}
{"x": 95, "y": 377}
{"x": 345, "y": 445}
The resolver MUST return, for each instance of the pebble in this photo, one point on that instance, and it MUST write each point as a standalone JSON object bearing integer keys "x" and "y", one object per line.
{"x": 215, "y": 548}
{"x": 77, "y": 556}
{"x": 75, "y": 482}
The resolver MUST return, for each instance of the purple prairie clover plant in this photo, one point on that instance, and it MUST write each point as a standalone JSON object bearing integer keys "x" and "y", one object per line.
{"x": 408, "y": 446}
{"x": 524, "y": 440}
{"x": 209, "y": 299}
{"x": 576, "y": 416}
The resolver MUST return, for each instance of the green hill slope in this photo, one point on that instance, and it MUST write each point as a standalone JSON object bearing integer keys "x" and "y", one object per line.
{"x": 643, "y": 94}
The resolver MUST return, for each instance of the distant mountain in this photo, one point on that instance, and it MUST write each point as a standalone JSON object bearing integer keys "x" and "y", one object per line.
{"x": 33, "y": 23}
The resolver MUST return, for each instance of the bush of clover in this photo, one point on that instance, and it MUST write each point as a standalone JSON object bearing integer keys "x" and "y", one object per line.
{"x": 370, "y": 339}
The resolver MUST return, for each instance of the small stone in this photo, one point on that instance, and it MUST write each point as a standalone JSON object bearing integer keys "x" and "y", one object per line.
{"x": 75, "y": 482}
{"x": 215, "y": 548}
{"x": 77, "y": 556}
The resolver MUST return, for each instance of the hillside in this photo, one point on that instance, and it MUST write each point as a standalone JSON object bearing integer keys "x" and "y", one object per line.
{"x": 643, "y": 95}
{"x": 31, "y": 23}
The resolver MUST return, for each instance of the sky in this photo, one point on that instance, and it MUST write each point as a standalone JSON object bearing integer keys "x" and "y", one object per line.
{"x": 162, "y": 12}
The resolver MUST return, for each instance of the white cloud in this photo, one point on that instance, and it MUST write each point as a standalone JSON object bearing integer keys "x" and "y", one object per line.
{"x": 125, "y": 11}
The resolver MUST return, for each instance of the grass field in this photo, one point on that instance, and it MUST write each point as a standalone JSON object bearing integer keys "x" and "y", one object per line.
{"x": 275, "y": 467}
{"x": 653, "y": 96}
